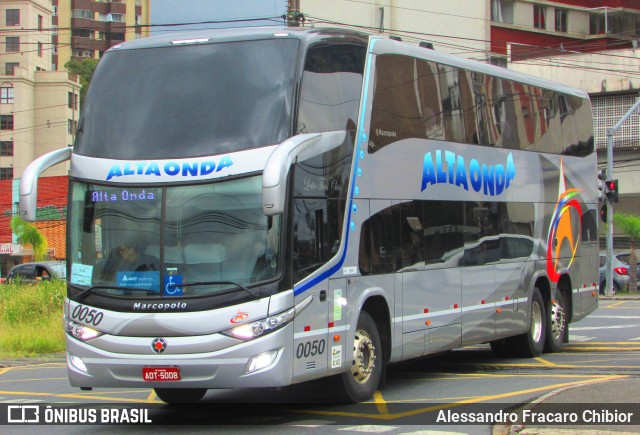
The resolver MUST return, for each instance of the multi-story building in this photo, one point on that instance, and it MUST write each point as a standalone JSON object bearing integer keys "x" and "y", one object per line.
{"x": 87, "y": 28}
{"x": 39, "y": 100}
{"x": 592, "y": 44}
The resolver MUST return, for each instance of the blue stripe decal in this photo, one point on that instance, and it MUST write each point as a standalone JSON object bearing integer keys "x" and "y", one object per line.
{"x": 304, "y": 286}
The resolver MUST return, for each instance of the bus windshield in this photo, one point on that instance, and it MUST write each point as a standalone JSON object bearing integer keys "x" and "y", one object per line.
{"x": 189, "y": 100}
{"x": 147, "y": 241}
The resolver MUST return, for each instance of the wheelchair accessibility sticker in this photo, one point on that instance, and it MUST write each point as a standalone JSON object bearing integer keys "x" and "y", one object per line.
{"x": 172, "y": 283}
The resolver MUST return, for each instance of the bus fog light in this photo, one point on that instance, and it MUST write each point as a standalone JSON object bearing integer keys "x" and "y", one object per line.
{"x": 261, "y": 361}
{"x": 77, "y": 363}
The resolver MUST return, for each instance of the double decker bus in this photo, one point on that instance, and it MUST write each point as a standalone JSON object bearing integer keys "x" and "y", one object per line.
{"x": 263, "y": 207}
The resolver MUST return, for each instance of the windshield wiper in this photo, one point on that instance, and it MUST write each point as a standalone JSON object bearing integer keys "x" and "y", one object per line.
{"x": 253, "y": 293}
{"x": 86, "y": 291}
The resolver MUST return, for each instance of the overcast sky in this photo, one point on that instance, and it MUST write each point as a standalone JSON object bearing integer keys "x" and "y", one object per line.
{"x": 189, "y": 11}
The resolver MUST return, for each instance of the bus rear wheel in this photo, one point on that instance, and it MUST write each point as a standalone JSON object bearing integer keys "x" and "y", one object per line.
{"x": 556, "y": 324}
{"x": 360, "y": 382}
{"x": 531, "y": 343}
{"x": 180, "y": 395}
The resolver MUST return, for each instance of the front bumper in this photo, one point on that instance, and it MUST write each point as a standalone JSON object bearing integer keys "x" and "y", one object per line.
{"x": 89, "y": 366}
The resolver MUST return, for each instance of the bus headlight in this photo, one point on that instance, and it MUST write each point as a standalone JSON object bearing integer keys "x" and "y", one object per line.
{"x": 81, "y": 332}
{"x": 261, "y": 327}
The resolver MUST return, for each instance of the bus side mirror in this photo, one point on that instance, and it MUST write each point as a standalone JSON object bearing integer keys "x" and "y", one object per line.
{"x": 29, "y": 180}
{"x": 295, "y": 149}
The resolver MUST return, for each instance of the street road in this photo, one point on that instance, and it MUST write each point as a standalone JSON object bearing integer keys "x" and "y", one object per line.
{"x": 605, "y": 346}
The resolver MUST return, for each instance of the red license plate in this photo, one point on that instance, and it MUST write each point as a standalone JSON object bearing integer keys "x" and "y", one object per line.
{"x": 161, "y": 374}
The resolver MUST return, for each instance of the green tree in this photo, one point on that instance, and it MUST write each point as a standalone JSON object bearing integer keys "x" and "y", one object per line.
{"x": 84, "y": 69}
{"x": 630, "y": 225}
{"x": 28, "y": 234}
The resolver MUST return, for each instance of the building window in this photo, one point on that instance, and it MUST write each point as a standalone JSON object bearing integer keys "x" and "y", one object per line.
{"x": 6, "y": 122}
{"x": 6, "y": 148}
{"x": 72, "y": 100}
{"x": 55, "y": 11}
{"x": 71, "y": 126}
{"x": 40, "y": 49}
{"x": 117, "y": 18}
{"x": 40, "y": 22}
{"x": 6, "y": 95}
{"x": 10, "y": 67}
{"x": 6, "y": 173}
{"x": 597, "y": 25}
{"x": 539, "y": 21}
{"x": 82, "y": 13}
{"x": 561, "y": 20}
{"x": 13, "y": 17}
{"x": 12, "y": 44}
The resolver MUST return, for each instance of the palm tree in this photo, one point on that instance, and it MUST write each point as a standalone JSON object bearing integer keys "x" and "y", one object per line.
{"x": 630, "y": 225}
{"x": 28, "y": 234}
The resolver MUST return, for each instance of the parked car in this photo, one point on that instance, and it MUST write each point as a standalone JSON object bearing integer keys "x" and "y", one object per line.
{"x": 620, "y": 272}
{"x": 38, "y": 271}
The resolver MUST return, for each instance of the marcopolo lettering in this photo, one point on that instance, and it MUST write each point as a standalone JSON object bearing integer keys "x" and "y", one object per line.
{"x": 172, "y": 169}
{"x": 138, "y": 306}
{"x": 442, "y": 167}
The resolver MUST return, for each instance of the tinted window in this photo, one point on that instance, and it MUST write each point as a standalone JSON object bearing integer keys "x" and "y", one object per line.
{"x": 414, "y": 98}
{"x": 331, "y": 86}
{"x": 417, "y": 234}
{"x": 189, "y": 101}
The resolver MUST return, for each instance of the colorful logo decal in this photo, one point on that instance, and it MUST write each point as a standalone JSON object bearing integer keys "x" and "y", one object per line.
{"x": 561, "y": 231}
{"x": 492, "y": 180}
{"x": 159, "y": 345}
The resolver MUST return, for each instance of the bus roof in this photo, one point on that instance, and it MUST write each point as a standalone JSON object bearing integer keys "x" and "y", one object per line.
{"x": 310, "y": 35}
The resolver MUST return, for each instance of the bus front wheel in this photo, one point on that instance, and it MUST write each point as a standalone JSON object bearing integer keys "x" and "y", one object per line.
{"x": 180, "y": 395}
{"x": 360, "y": 382}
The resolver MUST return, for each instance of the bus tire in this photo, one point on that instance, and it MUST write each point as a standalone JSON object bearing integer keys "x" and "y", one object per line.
{"x": 180, "y": 395}
{"x": 531, "y": 343}
{"x": 556, "y": 324}
{"x": 361, "y": 380}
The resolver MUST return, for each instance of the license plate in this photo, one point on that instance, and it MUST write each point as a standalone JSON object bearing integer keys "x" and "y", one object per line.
{"x": 161, "y": 374}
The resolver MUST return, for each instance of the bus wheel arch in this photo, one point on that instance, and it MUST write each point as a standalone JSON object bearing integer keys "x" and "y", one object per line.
{"x": 367, "y": 359}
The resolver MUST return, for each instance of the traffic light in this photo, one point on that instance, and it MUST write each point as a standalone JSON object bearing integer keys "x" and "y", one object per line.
{"x": 602, "y": 192}
{"x": 611, "y": 189}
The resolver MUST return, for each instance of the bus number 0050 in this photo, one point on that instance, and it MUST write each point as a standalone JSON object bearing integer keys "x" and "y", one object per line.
{"x": 84, "y": 314}
{"x": 310, "y": 348}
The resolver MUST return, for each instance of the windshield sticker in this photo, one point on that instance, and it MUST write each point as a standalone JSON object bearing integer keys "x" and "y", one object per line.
{"x": 172, "y": 169}
{"x": 172, "y": 285}
{"x": 139, "y": 280}
{"x": 81, "y": 274}
{"x": 492, "y": 180}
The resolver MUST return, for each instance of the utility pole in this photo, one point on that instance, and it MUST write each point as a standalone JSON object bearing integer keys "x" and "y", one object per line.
{"x": 611, "y": 198}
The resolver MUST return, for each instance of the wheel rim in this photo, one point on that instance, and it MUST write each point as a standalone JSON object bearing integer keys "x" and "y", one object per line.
{"x": 557, "y": 320}
{"x": 364, "y": 356}
{"x": 536, "y": 322}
